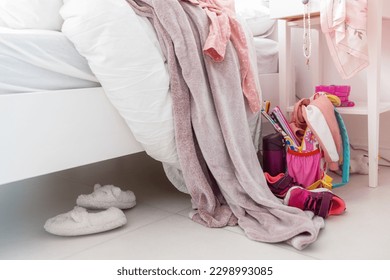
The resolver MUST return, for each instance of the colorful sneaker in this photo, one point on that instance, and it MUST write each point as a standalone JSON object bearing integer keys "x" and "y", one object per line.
{"x": 321, "y": 201}
{"x": 279, "y": 184}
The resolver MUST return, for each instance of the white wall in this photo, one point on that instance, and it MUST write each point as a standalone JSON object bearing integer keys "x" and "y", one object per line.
{"x": 356, "y": 125}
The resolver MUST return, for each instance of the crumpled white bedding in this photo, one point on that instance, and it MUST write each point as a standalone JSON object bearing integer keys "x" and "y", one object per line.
{"x": 35, "y": 60}
{"x": 124, "y": 54}
{"x": 267, "y": 53}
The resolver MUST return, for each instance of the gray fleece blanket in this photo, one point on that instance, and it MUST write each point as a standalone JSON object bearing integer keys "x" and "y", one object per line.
{"x": 214, "y": 143}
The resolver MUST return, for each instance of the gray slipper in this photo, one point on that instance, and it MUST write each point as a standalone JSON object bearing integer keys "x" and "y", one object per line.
{"x": 107, "y": 196}
{"x": 79, "y": 222}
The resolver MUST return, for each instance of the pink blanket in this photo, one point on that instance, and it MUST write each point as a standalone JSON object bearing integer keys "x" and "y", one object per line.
{"x": 214, "y": 143}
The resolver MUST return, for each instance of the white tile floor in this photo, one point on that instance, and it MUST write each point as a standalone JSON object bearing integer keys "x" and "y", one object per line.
{"x": 159, "y": 227}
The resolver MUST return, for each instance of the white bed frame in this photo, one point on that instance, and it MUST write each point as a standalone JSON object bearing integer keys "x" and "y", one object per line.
{"x": 45, "y": 132}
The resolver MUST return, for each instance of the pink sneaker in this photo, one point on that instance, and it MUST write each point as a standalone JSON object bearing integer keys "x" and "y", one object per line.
{"x": 347, "y": 104}
{"x": 321, "y": 201}
{"x": 279, "y": 184}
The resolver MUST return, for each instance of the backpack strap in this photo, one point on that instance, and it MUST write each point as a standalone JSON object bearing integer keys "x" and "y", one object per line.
{"x": 346, "y": 151}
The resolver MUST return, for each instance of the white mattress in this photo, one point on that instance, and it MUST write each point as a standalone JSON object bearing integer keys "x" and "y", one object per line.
{"x": 267, "y": 55}
{"x": 36, "y": 60}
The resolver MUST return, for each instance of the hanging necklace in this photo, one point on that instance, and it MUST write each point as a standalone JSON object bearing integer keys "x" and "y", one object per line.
{"x": 306, "y": 31}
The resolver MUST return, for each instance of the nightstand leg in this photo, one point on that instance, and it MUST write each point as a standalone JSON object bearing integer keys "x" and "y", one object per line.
{"x": 285, "y": 65}
{"x": 374, "y": 33}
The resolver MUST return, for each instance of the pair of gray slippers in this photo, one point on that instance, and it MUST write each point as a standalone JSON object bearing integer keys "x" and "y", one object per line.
{"x": 109, "y": 199}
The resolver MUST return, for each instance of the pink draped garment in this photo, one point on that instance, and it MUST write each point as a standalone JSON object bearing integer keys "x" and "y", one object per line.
{"x": 224, "y": 27}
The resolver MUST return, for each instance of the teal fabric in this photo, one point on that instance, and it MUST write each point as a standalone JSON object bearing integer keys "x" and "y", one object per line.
{"x": 346, "y": 151}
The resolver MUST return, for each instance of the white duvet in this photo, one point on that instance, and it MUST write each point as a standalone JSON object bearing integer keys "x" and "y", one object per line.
{"x": 123, "y": 52}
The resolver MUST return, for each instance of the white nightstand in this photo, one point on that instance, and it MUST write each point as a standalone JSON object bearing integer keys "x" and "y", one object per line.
{"x": 291, "y": 9}
{"x": 288, "y": 15}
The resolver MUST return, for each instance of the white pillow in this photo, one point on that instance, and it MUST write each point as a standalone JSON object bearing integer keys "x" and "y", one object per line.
{"x": 31, "y": 14}
{"x": 123, "y": 52}
{"x": 257, "y": 16}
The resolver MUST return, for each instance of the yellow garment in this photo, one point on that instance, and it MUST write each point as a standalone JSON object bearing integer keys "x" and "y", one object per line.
{"x": 325, "y": 182}
{"x": 334, "y": 99}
